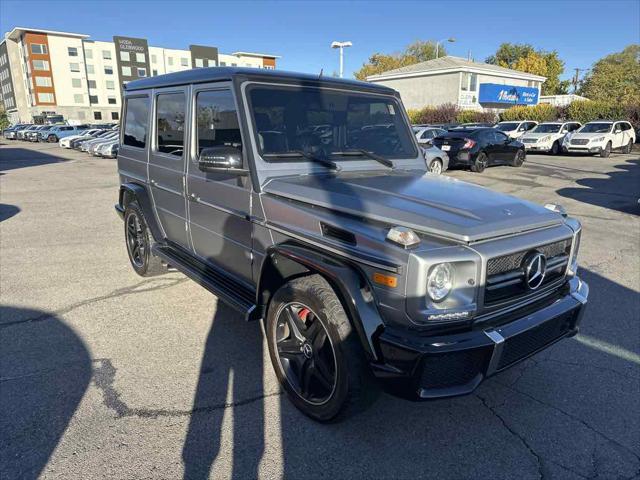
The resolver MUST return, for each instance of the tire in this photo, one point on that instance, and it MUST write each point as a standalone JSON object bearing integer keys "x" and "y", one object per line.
{"x": 52, "y": 139}
{"x": 629, "y": 146}
{"x": 480, "y": 164}
{"x": 436, "y": 166}
{"x": 315, "y": 352}
{"x": 518, "y": 160}
{"x": 555, "y": 148}
{"x": 136, "y": 233}
{"x": 606, "y": 151}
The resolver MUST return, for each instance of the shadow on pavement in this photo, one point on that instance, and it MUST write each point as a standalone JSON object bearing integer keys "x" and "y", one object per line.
{"x": 45, "y": 370}
{"x": 620, "y": 191}
{"x": 13, "y": 158}
{"x": 7, "y": 211}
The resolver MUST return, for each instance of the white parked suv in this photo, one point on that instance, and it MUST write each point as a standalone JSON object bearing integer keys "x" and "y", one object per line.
{"x": 548, "y": 136}
{"x": 602, "y": 136}
{"x": 515, "y": 129}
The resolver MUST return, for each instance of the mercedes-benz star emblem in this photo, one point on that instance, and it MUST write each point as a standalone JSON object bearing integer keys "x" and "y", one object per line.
{"x": 307, "y": 350}
{"x": 535, "y": 265}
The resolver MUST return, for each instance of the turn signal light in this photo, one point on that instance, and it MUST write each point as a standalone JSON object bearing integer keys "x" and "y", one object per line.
{"x": 386, "y": 280}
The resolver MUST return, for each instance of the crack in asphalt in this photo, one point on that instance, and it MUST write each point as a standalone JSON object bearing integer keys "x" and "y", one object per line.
{"x": 119, "y": 292}
{"x": 104, "y": 378}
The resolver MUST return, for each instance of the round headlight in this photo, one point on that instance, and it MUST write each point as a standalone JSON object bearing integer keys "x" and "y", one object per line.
{"x": 440, "y": 281}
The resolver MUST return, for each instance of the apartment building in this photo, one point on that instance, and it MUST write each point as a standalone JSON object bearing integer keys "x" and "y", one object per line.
{"x": 45, "y": 73}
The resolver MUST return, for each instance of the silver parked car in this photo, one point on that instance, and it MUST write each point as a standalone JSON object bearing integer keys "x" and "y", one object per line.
{"x": 364, "y": 270}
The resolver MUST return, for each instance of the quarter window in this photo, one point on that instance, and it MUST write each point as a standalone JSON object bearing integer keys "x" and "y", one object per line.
{"x": 217, "y": 120}
{"x": 170, "y": 116}
{"x": 135, "y": 122}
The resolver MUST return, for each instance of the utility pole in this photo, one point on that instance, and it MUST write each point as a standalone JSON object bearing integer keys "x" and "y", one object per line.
{"x": 576, "y": 78}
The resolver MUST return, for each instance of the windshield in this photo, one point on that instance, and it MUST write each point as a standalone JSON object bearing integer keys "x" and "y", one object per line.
{"x": 547, "y": 128}
{"x": 596, "y": 128}
{"x": 507, "y": 127}
{"x": 328, "y": 123}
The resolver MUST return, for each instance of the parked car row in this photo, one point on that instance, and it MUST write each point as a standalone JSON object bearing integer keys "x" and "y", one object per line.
{"x": 478, "y": 146}
{"x": 97, "y": 142}
{"x": 46, "y": 133}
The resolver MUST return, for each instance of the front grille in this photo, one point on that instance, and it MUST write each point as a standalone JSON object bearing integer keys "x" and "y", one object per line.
{"x": 579, "y": 141}
{"x": 506, "y": 276}
{"x": 453, "y": 369}
{"x": 529, "y": 140}
{"x": 527, "y": 343}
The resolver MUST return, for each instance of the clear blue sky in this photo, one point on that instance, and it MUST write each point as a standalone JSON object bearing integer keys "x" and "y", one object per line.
{"x": 301, "y": 32}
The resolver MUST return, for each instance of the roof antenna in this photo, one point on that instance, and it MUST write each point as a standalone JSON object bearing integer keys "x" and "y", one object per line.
{"x": 320, "y": 76}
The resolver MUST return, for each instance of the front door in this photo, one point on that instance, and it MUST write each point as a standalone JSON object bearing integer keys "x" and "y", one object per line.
{"x": 166, "y": 162}
{"x": 219, "y": 202}
{"x": 504, "y": 150}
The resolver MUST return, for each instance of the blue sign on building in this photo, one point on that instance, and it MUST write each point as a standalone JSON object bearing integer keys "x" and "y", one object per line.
{"x": 507, "y": 94}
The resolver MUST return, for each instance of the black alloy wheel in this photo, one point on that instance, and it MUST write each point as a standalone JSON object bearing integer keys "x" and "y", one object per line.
{"x": 52, "y": 139}
{"x": 138, "y": 240}
{"x": 518, "y": 160}
{"x": 480, "y": 164}
{"x": 606, "y": 151}
{"x": 629, "y": 146}
{"x": 305, "y": 353}
{"x": 555, "y": 148}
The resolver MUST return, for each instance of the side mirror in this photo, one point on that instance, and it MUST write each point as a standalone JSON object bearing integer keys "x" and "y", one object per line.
{"x": 221, "y": 158}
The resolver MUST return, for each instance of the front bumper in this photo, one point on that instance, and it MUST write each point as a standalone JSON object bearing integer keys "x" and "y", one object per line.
{"x": 583, "y": 148}
{"x": 534, "y": 147}
{"x": 425, "y": 367}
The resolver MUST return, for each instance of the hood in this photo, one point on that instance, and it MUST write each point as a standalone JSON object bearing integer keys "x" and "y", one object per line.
{"x": 427, "y": 203}
{"x": 538, "y": 135}
{"x": 589, "y": 135}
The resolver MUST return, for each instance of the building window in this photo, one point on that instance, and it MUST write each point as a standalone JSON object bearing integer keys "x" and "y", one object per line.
{"x": 88, "y": 54}
{"x": 170, "y": 115}
{"x": 155, "y": 73}
{"x": 75, "y": 67}
{"x": 42, "y": 65}
{"x": 184, "y": 62}
{"x": 76, "y": 83}
{"x": 106, "y": 54}
{"x": 469, "y": 82}
{"x": 93, "y": 99}
{"x": 97, "y": 115}
{"x": 111, "y": 100}
{"x": 45, "y": 97}
{"x": 125, "y": 57}
{"x": 78, "y": 98}
{"x": 81, "y": 115}
{"x": 170, "y": 60}
{"x": 135, "y": 122}
{"x": 44, "y": 81}
{"x": 216, "y": 113}
{"x": 39, "y": 49}
{"x": 115, "y": 116}
{"x": 108, "y": 70}
{"x": 199, "y": 62}
{"x": 73, "y": 51}
{"x": 126, "y": 71}
{"x": 212, "y": 63}
{"x": 92, "y": 84}
{"x": 142, "y": 72}
{"x": 234, "y": 64}
{"x": 90, "y": 69}
{"x": 140, "y": 58}
{"x": 223, "y": 64}
{"x": 111, "y": 85}
{"x": 154, "y": 59}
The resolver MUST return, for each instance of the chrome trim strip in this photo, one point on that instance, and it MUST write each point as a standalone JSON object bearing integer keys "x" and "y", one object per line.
{"x": 237, "y": 213}
{"x": 498, "y": 345}
{"x": 159, "y": 186}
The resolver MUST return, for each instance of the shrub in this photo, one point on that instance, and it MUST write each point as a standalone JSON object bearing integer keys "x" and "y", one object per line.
{"x": 446, "y": 113}
{"x": 473, "y": 116}
{"x": 586, "y": 111}
{"x": 540, "y": 113}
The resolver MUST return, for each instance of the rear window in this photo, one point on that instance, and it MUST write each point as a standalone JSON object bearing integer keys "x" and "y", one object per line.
{"x": 135, "y": 124}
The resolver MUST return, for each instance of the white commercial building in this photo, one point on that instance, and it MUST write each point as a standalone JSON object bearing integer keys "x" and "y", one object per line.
{"x": 465, "y": 83}
{"x": 47, "y": 74}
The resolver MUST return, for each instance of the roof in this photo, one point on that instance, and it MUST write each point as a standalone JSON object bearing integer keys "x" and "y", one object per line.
{"x": 17, "y": 32}
{"x": 212, "y": 74}
{"x": 252, "y": 54}
{"x": 452, "y": 64}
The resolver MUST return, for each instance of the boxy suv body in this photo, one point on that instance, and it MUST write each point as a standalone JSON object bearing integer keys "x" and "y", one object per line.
{"x": 366, "y": 270}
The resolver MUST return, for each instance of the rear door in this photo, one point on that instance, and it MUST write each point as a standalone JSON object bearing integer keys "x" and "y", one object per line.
{"x": 504, "y": 147}
{"x": 219, "y": 202}
{"x": 618, "y": 135}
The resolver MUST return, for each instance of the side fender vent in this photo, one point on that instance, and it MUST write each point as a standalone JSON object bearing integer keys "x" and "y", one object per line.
{"x": 337, "y": 233}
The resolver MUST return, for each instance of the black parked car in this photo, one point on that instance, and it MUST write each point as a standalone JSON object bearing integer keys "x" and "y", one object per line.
{"x": 479, "y": 148}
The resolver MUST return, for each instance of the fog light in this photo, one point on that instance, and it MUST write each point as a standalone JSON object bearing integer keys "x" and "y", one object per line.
{"x": 440, "y": 281}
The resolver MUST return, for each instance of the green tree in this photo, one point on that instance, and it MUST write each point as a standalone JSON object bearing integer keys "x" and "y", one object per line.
{"x": 615, "y": 78}
{"x": 525, "y": 58}
{"x": 4, "y": 118}
{"x": 417, "y": 52}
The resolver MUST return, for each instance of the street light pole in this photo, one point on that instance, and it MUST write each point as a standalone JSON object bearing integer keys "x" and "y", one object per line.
{"x": 341, "y": 46}
{"x": 450, "y": 40}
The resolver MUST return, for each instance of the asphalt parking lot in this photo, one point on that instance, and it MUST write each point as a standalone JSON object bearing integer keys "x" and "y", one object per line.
{"x": 104, "y": 374}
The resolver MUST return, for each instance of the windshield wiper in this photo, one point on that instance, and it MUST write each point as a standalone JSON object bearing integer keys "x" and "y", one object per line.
{"x": 364, "y": 153}
{"x": 301, "y": 153}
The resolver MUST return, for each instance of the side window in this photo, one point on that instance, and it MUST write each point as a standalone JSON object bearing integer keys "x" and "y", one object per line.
{"x": 135, "y": 123}
{"x": 427, "y": 135}
{"x": 170, "y": 116}
{"x": 500, "y": 137}
{"x": 217, "y": 120}
{"x": 625, "y": 126}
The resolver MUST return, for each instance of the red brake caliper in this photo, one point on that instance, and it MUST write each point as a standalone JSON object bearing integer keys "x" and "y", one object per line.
{"x": 302, "y": 314}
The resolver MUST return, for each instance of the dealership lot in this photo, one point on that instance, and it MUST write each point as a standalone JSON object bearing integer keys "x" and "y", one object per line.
{"x": 104, "y": 374}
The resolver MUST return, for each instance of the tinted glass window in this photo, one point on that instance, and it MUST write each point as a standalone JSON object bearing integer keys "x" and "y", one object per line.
{"x": 217, "y": 120}
{"x": 170, "y": 115}
{"x": 135, "y": 124}
{"x": 500, "y": 137}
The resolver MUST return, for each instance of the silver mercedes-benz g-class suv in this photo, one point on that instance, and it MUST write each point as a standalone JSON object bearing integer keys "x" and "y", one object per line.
{"x": 304, "y": 202}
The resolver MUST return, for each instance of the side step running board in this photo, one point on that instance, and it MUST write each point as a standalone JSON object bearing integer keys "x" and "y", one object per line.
{"x": 235, "y": 295}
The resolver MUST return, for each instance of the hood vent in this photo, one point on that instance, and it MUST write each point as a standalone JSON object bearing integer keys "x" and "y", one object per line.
{"x": 338, "y": 234}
